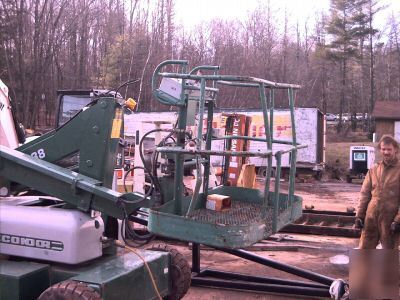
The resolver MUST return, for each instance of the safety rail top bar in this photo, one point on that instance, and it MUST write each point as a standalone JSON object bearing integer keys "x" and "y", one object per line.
{"x": 243, "y": 137}
{"x": 227, "y": 153}
{"x": 295, "y": 148}
{"x": 199, "y": 68}
{"x": 239, "y": 84}
{"x": 246, "y": 79}
{"x": 179, "y": 150}
{"x": 257, "y": 85}
{"x": 209, "y": 68}
{"x": 197, "y": 88}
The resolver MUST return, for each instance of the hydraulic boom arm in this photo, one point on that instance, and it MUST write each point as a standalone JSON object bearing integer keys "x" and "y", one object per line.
{"x": 95, "y": 134}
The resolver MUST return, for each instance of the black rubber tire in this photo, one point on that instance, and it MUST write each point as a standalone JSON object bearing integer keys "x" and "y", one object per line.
{"x": 180, "y": 272}
{"x": 70, "y": 290}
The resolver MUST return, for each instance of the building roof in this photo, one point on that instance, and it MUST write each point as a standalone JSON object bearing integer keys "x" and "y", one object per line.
{"x": 389, "y": 110}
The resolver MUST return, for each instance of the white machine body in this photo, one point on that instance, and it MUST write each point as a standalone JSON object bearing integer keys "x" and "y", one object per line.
{"x": 51, "y": 234}
{"x": 8, "y": 135}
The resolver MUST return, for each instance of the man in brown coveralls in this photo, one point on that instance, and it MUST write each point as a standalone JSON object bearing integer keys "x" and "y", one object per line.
{"x": 378, "y": 213}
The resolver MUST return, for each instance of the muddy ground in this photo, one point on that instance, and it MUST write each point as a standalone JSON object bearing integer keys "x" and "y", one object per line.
{"x": 310, "y": 252}
{"x": 329, "y": 195}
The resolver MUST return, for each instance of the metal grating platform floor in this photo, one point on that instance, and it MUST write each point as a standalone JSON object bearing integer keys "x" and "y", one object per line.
{"x": 240, "y": 213}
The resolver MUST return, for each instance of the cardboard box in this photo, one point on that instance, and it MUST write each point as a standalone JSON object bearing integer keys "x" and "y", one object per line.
{"x": 218, "y": 202}
{"x": 247, "y": 177}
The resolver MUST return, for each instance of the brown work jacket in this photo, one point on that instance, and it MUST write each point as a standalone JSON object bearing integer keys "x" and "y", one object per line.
{"x": 380, "y": 191}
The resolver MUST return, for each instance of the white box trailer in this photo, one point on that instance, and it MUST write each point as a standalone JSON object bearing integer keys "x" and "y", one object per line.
{"x": 310, "y": 130}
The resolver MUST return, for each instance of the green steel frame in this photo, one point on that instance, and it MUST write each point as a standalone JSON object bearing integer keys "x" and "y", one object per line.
{"x": 98, "y": 144}
{"x": 277, "y": 201}
{"x": 114, "y": 277}
{"x": 94, "y": 133}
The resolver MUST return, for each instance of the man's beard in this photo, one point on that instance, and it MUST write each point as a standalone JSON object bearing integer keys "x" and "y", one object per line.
{"x": 389, "y": 159}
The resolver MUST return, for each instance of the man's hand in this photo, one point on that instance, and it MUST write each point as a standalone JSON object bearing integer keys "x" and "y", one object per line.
{"x": 359, "y": 223}
{"x": 395, "y": 227}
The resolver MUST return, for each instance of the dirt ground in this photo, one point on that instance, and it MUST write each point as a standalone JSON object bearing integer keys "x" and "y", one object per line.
{"x": 310, "y": 252}
{"x": 332, "y": 195}
{"x": 316, "y": 259}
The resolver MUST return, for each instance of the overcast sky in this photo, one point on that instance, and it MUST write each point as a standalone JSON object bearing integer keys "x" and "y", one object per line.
{"x": 192, "y": 12}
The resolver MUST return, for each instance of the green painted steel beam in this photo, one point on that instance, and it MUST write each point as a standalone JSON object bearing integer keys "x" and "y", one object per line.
{"x": 94, "y": 133}
{"x": 23, "y": 280}
{"x": 199, "y": 139}
{"x": 271, "y": 113}
{"x": 292, "y": 172}
{"x": 125, "y": 276}
{"x": 265, "y": 107}
{"x": 207, "y": 163}
{"x": 79, "y": 190}
{"x": 275, "y": 205}
{"x": 121, "y": 276}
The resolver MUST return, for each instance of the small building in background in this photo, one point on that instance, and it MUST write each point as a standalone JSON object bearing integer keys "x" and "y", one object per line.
{"x": 387, "y": 119}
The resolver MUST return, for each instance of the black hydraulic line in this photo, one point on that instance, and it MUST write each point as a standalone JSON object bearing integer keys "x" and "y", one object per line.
{"x": 262, "y": 287}
{"x": 279, "y": 266}
{"x": 154, "y": 180}
{"x": 138, "y": 220}
{"x": 256, "y": 279}
{"x": 126, "y": 175}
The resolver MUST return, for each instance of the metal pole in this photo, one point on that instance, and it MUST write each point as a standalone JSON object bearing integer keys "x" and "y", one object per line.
{"x": 262, "y": 287}
{"x": 257, "y": 279}
{"x": 210, "y": 114}
{"x": 179, "y": 159}
{"x": 280, "y": 266}
{"x": 195, "y": 257}
{"x": 293, "y": 157}
{"x": 264, "y": 106}
{"x": 199, "y": 140}
{"x": 271, "y": 111}
{"x": 278, "y": 157}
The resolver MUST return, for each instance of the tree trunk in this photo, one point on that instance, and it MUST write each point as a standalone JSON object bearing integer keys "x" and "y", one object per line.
{"x": 371, "y": 71}
{"x": 342, "y": 95}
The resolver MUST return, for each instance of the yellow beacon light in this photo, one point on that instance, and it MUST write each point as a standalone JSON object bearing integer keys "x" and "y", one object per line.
{"x": 130, "y": 103}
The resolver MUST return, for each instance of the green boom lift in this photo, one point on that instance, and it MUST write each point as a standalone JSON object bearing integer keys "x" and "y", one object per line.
{"x": 94, "y": 133}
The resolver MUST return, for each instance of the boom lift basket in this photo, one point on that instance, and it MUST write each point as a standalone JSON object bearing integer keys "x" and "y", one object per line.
{"x": 254, "y": 215}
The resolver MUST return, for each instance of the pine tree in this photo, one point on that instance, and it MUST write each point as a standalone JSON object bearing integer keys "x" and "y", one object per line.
{"x": 343, "y": 30}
